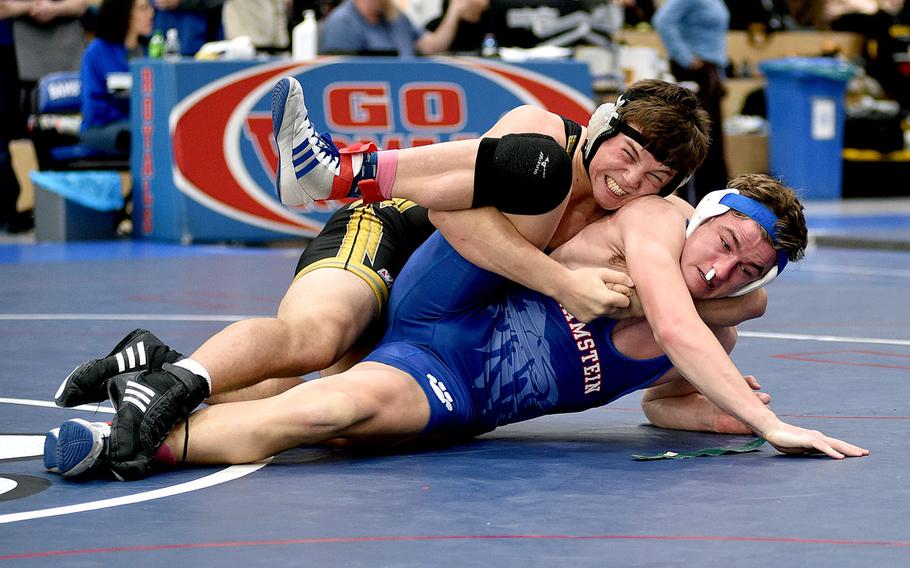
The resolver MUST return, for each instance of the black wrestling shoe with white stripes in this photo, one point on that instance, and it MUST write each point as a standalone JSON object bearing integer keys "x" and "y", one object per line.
{"x": 140, "y": 350}
{"x": 148, "y": 407}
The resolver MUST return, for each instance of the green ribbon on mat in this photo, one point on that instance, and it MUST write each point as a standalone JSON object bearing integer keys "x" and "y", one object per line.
{"x": 748, "y": 447}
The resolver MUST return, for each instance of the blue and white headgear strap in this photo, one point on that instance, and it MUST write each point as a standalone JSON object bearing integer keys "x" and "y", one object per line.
{"x": 719, "y": 202}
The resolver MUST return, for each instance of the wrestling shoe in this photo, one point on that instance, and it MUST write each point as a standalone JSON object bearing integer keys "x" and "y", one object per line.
{"x": 310, "y": 165}
{"x": 50, "y": 450}
{"x": 148, "y": 406}
{"x": 138, "y": 351}
{"x": 80, "y": 446}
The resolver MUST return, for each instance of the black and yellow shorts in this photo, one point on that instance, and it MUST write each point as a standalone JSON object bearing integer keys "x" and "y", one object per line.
{"x": 372, "y": 241}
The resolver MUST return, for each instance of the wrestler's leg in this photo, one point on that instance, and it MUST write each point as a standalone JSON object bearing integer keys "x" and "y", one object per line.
{"x": 517, "y": 173}
{"x": 321, "y": 317}
{"x": 248, "y": 354}
{"x": 371, "y": 401}
{"x": 271, "y": 387}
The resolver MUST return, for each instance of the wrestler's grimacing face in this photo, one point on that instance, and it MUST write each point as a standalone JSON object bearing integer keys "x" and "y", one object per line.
{"x": 622, "y": 170}
{"x": 734, "y": 247}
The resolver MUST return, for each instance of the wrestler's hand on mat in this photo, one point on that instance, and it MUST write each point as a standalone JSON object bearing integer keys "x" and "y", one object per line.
{"x": 590, "y": 293}
{"x": 791, "y": 439}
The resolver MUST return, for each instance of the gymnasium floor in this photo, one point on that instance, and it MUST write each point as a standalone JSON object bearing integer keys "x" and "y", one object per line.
{"x": 833, "y": 350}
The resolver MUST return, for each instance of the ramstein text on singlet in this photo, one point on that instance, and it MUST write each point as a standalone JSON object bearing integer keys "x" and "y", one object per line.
{"x": 590, "y": 360}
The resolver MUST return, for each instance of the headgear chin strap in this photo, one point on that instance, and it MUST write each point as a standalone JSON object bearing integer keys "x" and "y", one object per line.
{"x": 719, "y": 202}
{"x": 606, "y": 122}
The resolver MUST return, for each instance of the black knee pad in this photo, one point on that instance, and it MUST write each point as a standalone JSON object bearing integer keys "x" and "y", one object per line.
{"x": 526, "y": 174}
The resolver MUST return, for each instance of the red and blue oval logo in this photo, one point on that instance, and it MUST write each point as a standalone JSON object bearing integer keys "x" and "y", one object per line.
{"x": 224, "y": 151}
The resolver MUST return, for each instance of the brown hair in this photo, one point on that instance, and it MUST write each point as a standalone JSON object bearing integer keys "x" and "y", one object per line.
{"x": 792, "y": 234}
{"x": 673, "y": 122}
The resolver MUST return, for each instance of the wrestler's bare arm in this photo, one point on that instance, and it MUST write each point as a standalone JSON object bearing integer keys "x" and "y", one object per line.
{"x": 678, "y": 405}
{"x": 652, "y": 252}
{"x": 489, "y": 240}
{"x": 672, "y": 402}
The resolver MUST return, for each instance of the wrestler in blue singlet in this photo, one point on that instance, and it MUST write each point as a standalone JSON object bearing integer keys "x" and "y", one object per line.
{"x": 488, "y": 352}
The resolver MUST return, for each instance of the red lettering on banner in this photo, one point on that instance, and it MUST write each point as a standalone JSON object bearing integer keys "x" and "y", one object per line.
{"x": 432, "y": 106}
{"x": 259, "y": 131}
{"x": 147, "y": 137}
{"x": 423, "y": 140}
{"x": 146, "y": 81}
{"x": 391, "y": 142}
{"x": 361, "y": 106}
{"x": 147, "y": 223}
{"x": 147, "y": 109}
{"x": 147, "y": 171}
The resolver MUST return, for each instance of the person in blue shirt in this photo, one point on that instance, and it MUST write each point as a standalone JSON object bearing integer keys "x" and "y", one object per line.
{"x": 694, "y": 33}
{"x": 105, "y": 115}
{"x": 197, "y": 22}
{"x": 377, "y": 26}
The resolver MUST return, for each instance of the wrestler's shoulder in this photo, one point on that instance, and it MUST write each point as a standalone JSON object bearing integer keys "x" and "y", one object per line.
{"x": 529, "y": 118}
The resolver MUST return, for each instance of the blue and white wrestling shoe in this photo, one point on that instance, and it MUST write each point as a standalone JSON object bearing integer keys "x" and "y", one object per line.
{"x": 50, "y": 450}
{"x": 310, "y": 165}
{"x": 76, "y": 447}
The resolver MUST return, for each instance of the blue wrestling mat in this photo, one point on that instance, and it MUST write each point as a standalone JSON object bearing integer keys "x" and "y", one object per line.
{"x": 833, "y": 350}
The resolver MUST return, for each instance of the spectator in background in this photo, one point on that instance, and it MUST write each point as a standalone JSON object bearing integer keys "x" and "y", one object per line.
{"x": 694, "y": 32}
{"x": 860, "y": 15}
{"x": 475, "y": 25}
{"x": 638, "y": 12}
{"x": 105, "y": 116}
{"x": 364, "y": 26}
{"x": 11, "y": 125}
{"x": 197, "y": 22}
{"x": 48, "y": 38}
{"x": 265, "y": 22}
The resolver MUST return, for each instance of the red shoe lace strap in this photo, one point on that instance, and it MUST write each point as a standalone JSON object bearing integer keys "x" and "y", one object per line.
{"x": 359, "y": 148}
{"x": 369, "y": 190}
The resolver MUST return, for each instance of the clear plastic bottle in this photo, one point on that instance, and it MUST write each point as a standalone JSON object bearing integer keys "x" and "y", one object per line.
{"x": 489, "y": 47}
{"x": 304, "y": 38}
{"x": 172, "y": 44}
{"x": 156, "y": 45}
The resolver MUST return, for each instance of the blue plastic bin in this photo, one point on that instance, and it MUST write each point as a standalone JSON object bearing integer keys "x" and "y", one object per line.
{"x": 806, "y": 111}
{"x": 77, "y": 205}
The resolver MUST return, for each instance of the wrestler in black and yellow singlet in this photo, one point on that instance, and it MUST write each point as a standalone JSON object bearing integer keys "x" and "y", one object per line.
{"x": 374, "y": 240}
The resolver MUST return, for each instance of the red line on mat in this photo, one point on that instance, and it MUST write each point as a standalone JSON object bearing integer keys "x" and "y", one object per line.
{"x": 424, "y": 538}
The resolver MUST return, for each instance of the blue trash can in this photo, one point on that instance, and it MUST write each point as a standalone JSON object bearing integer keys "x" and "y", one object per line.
{"x": 806, "y": 113}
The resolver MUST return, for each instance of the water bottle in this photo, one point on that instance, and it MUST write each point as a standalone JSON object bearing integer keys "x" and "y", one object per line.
{"x": 172, "y": 44}
{"x": 156, "y": 45}
{"x": 489, "y": 47}
{"x": 304, "y": 38}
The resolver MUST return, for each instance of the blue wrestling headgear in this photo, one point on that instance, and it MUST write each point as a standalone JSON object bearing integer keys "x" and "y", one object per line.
{"x": 719, "y": 202}
{"x": 607, "y": 122}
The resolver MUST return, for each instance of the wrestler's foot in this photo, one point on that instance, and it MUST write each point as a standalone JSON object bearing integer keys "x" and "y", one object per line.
{"x": 310, "y": 166}
{"x": 50, "y": 450}
{"x": 76, "y": 447}
{"x": 148, "y": 406}
{"x": 138, "y": 351}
